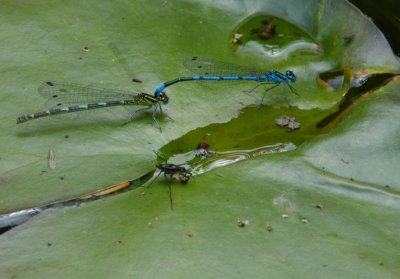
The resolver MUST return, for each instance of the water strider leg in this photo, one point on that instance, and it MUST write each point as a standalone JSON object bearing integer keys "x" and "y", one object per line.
{"x": 170, "y": 190}
{"x": 148, "y": 186}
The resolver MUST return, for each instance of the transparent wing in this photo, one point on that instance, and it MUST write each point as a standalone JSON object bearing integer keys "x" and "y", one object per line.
{"x": 66, "y": 94}
{"x": 208, "y": 67}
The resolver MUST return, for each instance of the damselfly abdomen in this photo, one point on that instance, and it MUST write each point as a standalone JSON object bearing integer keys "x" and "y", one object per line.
{"x": 210, "y": 70}
{"x": 69, "y": 97}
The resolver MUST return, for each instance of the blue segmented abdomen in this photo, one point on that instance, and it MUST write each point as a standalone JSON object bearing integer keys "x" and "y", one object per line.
{"x": 207, "y": 69}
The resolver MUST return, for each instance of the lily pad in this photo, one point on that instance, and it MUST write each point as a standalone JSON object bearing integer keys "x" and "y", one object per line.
{"x": 327, "y": 206}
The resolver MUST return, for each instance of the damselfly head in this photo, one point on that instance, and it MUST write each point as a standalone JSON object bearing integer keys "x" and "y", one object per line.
{"x": 291, "y": 76}
{"x": 163, "y": 98}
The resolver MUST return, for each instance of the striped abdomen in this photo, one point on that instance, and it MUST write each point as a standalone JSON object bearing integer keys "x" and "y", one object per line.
{"x": 138, "y": 100}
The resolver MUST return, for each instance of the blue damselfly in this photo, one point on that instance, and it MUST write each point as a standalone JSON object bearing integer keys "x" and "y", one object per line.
{"x": 209, "y": 70}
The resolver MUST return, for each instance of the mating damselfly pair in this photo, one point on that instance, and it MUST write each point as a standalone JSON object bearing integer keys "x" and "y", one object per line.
{"x": 70, "y": 97}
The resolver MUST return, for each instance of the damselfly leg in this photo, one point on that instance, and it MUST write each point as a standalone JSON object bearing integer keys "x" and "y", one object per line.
{"x": 135, "y": 113}
{"x": 143, "y": 109}
{"x": 64, "y": 97}
{"x": 265, "y": 92}
{"x": 204, "y": 69}
{"x": 159, "y": 108}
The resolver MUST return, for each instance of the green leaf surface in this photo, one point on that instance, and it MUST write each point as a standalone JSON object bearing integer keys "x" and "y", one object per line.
{"x": 328, "y": 209}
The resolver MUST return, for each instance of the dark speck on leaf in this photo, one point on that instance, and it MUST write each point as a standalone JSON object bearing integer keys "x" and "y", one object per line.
{"x": 319, "y": 206}
{"x": 134, "y": 79}
{"x": 242, "y": 223}
{"x": 347, "y": 39}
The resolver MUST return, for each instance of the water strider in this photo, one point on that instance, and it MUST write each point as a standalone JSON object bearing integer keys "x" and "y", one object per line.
{"x": 170, "y": 172}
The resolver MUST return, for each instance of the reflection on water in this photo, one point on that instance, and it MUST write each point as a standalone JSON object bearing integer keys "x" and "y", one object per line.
{"x": 333, "y": 79}
{"x": 359, "y": 86}
{"x": 276, "y": 51}
{"x": 214, "y": 159}
{"x": 273, "y": 40}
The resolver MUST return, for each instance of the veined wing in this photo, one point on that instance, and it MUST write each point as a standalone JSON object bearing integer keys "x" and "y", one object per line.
{"x": 66, "y": 94}
{"x": 207, "y": 67}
